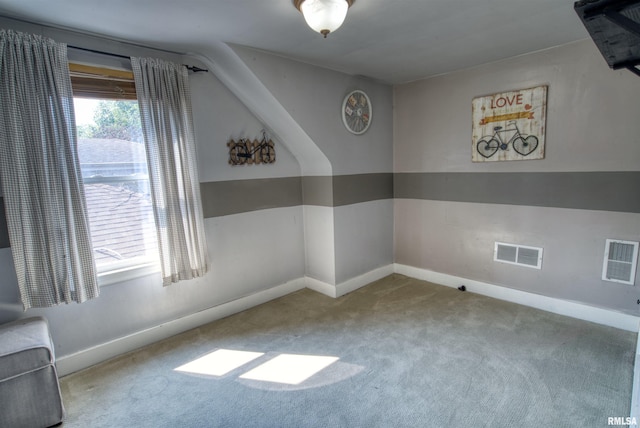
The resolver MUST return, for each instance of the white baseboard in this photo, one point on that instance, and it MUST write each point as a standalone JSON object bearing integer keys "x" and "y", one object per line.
{"x": 362, "y": 280}
{"x": 550, "y": 304}
{"x": 320, "y": 286}
{"x": 71, "y": 363}
{"x": 88, "y": 357}
{"x": 349, "y": 285}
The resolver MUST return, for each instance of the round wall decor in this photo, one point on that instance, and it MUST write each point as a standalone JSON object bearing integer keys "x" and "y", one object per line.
{"x": 356, "y": 112}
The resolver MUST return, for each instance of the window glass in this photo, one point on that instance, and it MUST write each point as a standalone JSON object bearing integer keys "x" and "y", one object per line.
{"x": 114, "y": 170}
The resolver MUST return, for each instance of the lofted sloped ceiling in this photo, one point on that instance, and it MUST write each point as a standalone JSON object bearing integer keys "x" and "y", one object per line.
{"x": 393, "y": 41}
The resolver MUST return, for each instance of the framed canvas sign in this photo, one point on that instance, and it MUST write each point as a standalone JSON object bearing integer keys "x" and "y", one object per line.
{"x": 509, "y": 126}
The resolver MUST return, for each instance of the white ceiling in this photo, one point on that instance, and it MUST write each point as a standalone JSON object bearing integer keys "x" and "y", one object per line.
{"x": 394, "y": 41}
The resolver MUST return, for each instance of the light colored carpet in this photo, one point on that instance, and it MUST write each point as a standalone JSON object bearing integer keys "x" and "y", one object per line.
{"x": 411, "y": 354}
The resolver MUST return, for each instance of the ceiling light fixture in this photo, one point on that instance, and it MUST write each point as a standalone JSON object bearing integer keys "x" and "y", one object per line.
{"x": 324, "y": 16}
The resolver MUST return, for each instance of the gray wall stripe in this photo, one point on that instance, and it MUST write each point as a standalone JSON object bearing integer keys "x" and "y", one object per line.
{"x": 221, "y": 198}
{"x": 353, "y": 189}
{"x": 317, "y": 191}
{"x": 601, "y": 191}
{"x": 232, "y": 197}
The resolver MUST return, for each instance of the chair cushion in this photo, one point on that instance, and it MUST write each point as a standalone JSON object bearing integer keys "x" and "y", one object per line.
{"x": 25, "y": 346}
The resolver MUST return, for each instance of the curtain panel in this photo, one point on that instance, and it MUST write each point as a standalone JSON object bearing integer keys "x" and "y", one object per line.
{"x": 40, "y": 171}
{"x": 164, "y": 98}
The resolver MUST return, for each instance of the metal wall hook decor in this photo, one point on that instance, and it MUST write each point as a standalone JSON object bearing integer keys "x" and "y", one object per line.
{"x": 247, "y": 152}
{"x": 195, "y": 68}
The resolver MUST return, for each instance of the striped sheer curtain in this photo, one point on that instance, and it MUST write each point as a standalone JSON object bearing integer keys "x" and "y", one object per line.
{"x": 40, "y": 171}
{"x": 165, "y": 109}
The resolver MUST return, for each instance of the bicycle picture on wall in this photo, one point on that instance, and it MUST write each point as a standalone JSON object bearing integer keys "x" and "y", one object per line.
{"x": 522, "y": 144}
{"x": 509, "y": 126}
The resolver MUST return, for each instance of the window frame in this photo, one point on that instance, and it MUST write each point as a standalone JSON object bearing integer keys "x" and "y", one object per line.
{"x": 111, "y": 84}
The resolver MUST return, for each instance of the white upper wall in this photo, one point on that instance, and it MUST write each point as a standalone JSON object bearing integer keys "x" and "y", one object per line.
{"x": 218, "y": 117}
{"x": 313, "y": 97}
{"x": 592, "y": 114}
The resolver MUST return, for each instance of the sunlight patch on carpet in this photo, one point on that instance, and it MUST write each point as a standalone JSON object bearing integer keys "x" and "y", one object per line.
{"x": 289, "y": 369}
{"x": 219, "y": 363}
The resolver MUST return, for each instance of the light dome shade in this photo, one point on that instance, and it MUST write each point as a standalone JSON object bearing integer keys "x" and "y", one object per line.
{"x": 324, "y": 16}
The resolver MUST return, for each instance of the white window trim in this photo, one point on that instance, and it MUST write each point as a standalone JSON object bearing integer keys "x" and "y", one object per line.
{"x": 634, "y": 261}
{"x": 115, "y": 275}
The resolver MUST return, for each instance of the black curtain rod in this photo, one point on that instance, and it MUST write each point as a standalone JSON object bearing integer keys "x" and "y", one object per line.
{"x": 193, "y": 68}
{"x": 99, "y": 52}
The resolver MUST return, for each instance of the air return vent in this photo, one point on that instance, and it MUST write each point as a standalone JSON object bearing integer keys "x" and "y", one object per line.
{"x": 620, "y": 260}
{"x": 518, "y": 255}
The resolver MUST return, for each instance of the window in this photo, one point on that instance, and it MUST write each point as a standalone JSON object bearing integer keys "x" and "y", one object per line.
{"x": 114, "y": 169}
{"x": 620, "y": 259}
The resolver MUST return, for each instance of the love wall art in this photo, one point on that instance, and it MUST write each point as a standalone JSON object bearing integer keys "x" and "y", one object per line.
{"x": 509, "y": 126}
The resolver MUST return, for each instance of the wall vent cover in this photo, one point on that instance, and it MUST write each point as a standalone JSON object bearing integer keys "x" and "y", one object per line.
{"x": 520, "y": 255}
{"x": 620, "y": 261}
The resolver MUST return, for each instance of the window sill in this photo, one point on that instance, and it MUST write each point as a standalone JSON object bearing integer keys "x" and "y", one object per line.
{"x": 128, "y": 273}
